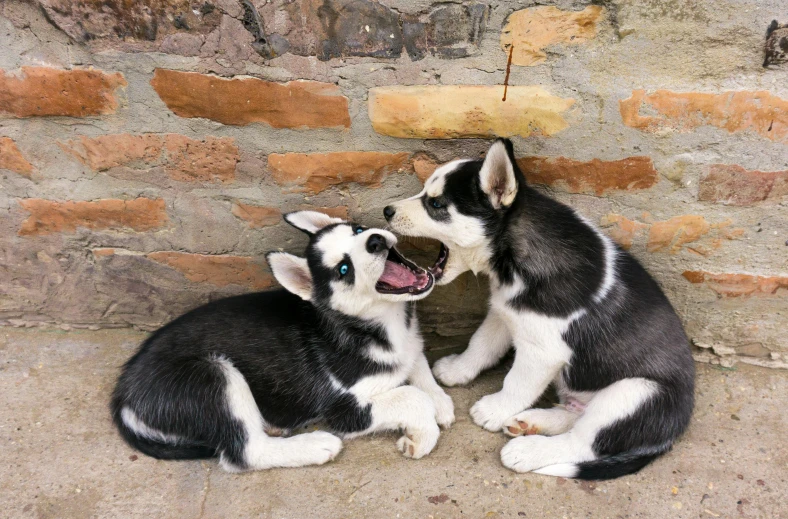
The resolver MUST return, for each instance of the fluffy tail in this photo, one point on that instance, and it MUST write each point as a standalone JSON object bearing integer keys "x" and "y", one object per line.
{"x": 159, "y": 449}
{"x": 610, "y": 467}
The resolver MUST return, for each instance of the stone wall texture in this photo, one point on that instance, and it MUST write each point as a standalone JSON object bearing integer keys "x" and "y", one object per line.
{"x": 148, "y": 149}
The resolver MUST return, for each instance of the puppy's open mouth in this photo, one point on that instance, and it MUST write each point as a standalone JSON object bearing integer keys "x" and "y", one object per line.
{"x": 440, "y": 264}
{"x": 402, "y": 276}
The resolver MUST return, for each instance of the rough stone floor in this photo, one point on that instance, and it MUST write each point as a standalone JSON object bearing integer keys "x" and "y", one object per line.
{"x": 60, "y": 457}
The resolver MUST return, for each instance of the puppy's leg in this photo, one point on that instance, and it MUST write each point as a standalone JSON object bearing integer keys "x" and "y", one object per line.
{"x": 559, "y": 455}
{"x": 535, "y": 365}
{"x": 407, "y": 408}
{"x": 547, "y": 422}
{"x": 421, "y": 377}
{"x": 488, "y": 344}
{"x": 249, "y": 448}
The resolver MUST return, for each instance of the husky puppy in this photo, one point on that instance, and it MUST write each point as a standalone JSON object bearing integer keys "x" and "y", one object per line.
{"x": 336, "y": 345}
{"x": 579, "y": 311}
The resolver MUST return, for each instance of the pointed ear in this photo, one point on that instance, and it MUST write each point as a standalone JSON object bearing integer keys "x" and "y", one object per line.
{"x": 310, "y": 221}
{"x": 292, "y": 273}
{"x": 497, "y": 174}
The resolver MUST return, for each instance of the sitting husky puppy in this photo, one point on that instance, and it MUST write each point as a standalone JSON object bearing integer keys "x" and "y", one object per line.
{"x": 580, "y": 312}
{"x": 337, "y": 345}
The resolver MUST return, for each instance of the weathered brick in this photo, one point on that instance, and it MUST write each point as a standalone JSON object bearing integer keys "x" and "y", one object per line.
{"x": 622, "y": 229}
{"x": 217, "y": 270}
{"x": 39, "y": 91}
{"x": 297, "y": 104}
{"x": 531, "y": 30}
{"x": 91, "y": 20}
{"x": 686, "y": 232}
{"x": 424, "y": 166}
{"x": 739, "y": 285}
{"x": 751, "y": 111}
{"x": 594, "y": 176}
{"x": 465, "y": 111}
{"x": 734, "y": 185}
{"x": 11, "y": 158}
{"x": 184, "y": 159}
{"x": 316, "y": 172}
{"x": 49, "y": 216}
{"x": 257, "y": 216}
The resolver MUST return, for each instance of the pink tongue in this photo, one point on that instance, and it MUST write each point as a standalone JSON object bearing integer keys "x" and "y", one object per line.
{"x": 397, "y": 275}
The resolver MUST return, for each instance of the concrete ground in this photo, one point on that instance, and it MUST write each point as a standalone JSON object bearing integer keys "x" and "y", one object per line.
{"x": 61, "y": 457}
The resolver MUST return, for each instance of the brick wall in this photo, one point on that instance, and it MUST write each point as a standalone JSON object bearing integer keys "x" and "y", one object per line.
{"x": 147, "y": 153}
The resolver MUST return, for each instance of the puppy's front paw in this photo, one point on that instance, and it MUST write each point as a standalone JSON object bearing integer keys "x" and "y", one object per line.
{"x": 450, "y": 371}
{"x": 417, "y": 443}
{"x": 444, "y": 409}
{"x": 491, "y": 412}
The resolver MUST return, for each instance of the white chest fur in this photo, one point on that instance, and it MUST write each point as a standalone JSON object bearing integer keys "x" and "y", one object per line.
{"x": 405, "y": 346}
{"x": 528, "y": 327}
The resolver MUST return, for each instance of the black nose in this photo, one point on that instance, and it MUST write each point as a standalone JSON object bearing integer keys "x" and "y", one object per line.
{"x": 376, "y": 243}
{"x": 388, "y": 212}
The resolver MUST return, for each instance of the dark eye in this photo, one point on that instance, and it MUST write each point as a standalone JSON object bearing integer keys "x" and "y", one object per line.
{"x": 343, "y": 269}
{"x": 436, "y": 203}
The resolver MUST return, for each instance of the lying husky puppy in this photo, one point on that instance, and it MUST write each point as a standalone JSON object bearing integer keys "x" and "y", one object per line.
{"x": 580, "y": 312}
{"x": 337, "y": 345}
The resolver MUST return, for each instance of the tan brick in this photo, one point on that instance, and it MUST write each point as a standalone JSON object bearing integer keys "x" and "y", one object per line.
{"x": 12, "y": 159}
{"x": 734, "y": 185}
{"x": 38, "y": 91}
{"x": 739, "y": 285}
{"x": 257, "y": 216}
{"x": 465, "y": 111}
{"x": 184, "y": 159}
{"x": 686, "y": 232}
{"x": 297, "y": 104}
{"x": 751, "y": 111}
{"x": 50, "y": 216}
{"x": 594, "y": 176}
{"x": 531, "y": 30}
{"x": 216, "y": 270}
{"x": 316, "y": 172}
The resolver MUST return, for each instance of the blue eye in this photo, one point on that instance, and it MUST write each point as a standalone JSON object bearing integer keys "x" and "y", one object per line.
{"x": 436, "y": 204}
{"x": 359, "y": 230}
{"x": 343, "y": 269}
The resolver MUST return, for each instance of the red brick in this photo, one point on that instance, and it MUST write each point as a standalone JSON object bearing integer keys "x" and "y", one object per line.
{"x": 11, "y": 158}
{"x": 739, "y": 285}
{"x": 594, "y": 176}
{"x": 217, "y": 270}
{"x": 297, "y": 104}
{"x": 316, "y": 172}
{"x": 752, "y": 111}
{"x": 184, "y": 159}
{"x": 734, "y": 185}
{"x": 257, "y": 216}
{"x": 49, "y": 216}
{"x": 38, "y": 91}
{"x": 531, "y": 30}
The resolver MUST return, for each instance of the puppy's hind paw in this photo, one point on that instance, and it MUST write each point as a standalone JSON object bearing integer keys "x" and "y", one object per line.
{"x": 417, "y": 444}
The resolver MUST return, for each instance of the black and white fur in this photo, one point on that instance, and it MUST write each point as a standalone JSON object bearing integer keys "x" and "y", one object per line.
{"x": 579, "y": 311}
{"x": 225, "y": 379}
